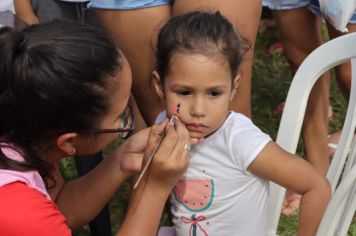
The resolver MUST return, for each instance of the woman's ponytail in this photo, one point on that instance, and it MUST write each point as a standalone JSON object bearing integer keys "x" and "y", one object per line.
{"x": 10, "y": 47}
{"x": 10, "y": 44}
{"x": 55, "y": 78}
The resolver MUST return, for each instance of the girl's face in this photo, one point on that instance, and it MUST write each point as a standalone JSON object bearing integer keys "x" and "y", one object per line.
{"x": 204, "y": 89}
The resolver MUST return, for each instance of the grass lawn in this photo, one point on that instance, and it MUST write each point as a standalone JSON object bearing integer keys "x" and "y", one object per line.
{"x": 270, "y": 82}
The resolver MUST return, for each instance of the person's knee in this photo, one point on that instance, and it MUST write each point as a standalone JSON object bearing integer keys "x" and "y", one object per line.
{"x": 294, "y": 61}
{"x": 295, "y": 55}
{"x": 296, "y": 51}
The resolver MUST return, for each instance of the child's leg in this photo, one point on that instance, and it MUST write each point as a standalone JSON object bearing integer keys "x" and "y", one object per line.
{"x": 136, "y": 33}
{"x": 245, "y": 16}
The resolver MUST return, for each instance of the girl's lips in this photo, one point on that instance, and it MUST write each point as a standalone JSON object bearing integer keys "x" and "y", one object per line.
{"x": 196, "y": 127}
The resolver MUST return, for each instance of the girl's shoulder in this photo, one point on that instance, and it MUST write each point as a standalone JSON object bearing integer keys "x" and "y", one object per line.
{"x": 26, "y": 211}
{"x": 238, "y": 121}
{"x": 240, "y": 129}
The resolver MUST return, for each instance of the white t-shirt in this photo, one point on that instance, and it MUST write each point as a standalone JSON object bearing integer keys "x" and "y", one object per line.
{"x": 217, "y": 195}
{"x": 7, "y": 5}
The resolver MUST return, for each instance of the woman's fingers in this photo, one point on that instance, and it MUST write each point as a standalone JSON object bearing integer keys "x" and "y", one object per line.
{"x": 132, "y": 163}
{"x": 157, "y": 131}
{"x": 182, "y": 147}
{"x": 130, "y": 152}
{"x": 171, "y": 159}
{"x": 137, "y": 142}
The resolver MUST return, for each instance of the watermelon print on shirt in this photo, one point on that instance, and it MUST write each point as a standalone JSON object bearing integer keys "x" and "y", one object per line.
{"x": 196, "y": 195}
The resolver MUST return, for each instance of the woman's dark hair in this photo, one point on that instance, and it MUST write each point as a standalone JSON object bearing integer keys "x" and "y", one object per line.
{"x": 197, "y": 32}
{"x": 54, "y": 78}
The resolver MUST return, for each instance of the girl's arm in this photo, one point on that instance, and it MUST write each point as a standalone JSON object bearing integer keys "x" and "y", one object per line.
{"x": 298, "y": 175}
{"x": 23, "y": 9}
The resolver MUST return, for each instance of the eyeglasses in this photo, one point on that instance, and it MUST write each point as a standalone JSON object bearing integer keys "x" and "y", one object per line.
{"x": 127, "y": 125}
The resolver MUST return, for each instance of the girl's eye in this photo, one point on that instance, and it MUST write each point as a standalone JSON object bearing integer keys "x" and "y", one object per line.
{"x": 214, "y": 93}
{"x": 184, "y": 92}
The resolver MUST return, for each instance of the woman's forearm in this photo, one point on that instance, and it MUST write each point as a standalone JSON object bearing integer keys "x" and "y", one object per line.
{"x": 82, "y": 199}
{"x": 145, "y": 210}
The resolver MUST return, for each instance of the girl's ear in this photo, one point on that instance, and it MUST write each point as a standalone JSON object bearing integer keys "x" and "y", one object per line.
{"x": 65, "y": 143}
{"x": 235, "y": 86}
{"x": 156, "y": 83}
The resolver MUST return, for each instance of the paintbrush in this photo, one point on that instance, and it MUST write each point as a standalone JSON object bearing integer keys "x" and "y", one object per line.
{"x": 171, "y": 120}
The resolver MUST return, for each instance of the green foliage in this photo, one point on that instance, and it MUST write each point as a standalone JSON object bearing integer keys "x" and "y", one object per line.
{"x": 68, "y": 169}
{"x": 352, "y": 229}
{"x": 288, "y": 225}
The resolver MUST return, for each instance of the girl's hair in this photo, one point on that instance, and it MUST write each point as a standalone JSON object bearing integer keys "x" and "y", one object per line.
{"x": 210, "y": 34}
{"x": 54, "y": 78}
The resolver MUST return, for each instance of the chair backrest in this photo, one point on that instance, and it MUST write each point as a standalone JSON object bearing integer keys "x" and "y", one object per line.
{"x": 327, "y": 56}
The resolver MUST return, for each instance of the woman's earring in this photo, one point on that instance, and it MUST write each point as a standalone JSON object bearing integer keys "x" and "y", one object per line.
{"x": 72, "y": 152}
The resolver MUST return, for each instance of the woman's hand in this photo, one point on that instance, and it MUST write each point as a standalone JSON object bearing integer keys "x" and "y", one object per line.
{"x": 166, "y": 168}
{"x": 145, "y": 142}
{"x": 171, "y": 159}
{"x": 131, "y": 152}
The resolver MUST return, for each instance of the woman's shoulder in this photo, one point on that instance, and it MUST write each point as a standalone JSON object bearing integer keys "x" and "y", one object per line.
{"x": 26, "y": 211}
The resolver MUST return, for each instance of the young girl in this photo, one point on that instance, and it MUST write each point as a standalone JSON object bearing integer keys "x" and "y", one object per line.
{"x": 226, "y": 187}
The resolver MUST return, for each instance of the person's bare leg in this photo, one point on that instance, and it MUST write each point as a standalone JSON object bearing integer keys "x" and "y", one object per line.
{"x": 135, "y": 32}
{"x": 343, "y": 71}
{"x": 245, "y": 16}
{"x": 300, "y": 35}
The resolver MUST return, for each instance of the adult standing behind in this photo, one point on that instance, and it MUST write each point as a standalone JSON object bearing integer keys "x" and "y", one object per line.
{"x": 299, "y": 24}
{"x": 59, "y": 98}
{"x": 135, "y": 25}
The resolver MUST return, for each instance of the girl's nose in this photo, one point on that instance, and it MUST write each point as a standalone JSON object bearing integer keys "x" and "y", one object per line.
{"x": 197, "y": 107}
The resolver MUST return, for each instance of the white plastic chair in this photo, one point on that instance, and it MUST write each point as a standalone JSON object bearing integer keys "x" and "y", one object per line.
{"x": 341, "y": 208}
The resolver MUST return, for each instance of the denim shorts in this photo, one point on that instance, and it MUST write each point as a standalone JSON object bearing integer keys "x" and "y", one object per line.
{"x": 313, "y": 6}
{"x": 127, "y": 4}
